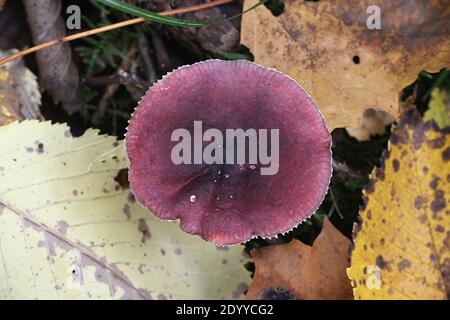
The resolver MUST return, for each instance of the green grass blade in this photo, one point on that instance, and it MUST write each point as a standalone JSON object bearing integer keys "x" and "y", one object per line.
{"x": 232, "y": 55}
{"x": 152, "y": 16}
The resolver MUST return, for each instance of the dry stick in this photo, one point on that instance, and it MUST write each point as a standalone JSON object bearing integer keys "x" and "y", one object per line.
{"x": 162, "y": 57}
{"x": 112, "y": 88}
{"x": 110, "y": 27}
{"x": 333, "y": 199}
{"x": 144, "y": 49}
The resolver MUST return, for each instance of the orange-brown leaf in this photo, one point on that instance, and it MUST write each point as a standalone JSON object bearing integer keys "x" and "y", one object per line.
{"x": 298, "y": 271}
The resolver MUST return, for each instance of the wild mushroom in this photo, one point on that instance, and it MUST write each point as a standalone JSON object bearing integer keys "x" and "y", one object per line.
{"x": 228, "y": 203}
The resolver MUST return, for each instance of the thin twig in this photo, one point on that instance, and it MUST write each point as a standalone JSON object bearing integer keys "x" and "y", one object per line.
{"x": 162, "y": 57}
{"x": 344, "y": 171}
{"x": 118, "y": 113}
{"x": 333, "y": 199}
{"x": 144, "y": 49}
{"x": 112, "y": 88}
{"x": 114, "y": 117}
{"x": 121, "y": 24}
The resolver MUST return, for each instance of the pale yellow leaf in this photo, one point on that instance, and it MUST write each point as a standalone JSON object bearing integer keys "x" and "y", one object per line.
{"x": 69, "y": 231}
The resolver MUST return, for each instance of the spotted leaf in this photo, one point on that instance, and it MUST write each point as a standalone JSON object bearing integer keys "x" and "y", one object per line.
{"x": 70, "y": 228}
{"x": 402, "y": 247}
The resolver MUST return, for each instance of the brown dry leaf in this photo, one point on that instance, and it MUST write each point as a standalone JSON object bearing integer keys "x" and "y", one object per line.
{"x": 13, "y": 25}
{"x": 222, "y": 36}
{"x": 56, "y": 70}
{"x": 316, "y": 43}
{"x": 298, "y": 271}
{"x": 402, "y": 247}
{"x": 9, "y": 101}
{"x": 373, "y": 123}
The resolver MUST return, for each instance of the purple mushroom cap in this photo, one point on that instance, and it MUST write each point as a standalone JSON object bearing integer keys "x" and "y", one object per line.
{"x": 229, "y": 203}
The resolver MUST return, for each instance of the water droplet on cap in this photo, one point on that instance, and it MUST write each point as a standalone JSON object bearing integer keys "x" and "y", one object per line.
{"x": 193, "y": 198}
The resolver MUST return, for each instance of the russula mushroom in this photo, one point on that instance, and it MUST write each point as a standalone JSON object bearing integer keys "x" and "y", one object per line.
{"x": 229, "y": 202}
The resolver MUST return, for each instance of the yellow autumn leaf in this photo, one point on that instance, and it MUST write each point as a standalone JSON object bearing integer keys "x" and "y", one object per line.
{"x": 24, "y": 86}
{"x": 68, "y": 230}
{"x": 9, "y": 101}
{"x": 345, "y": 66}
{"x": 402, "y": 247}
{"x": 438, "y": 108}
